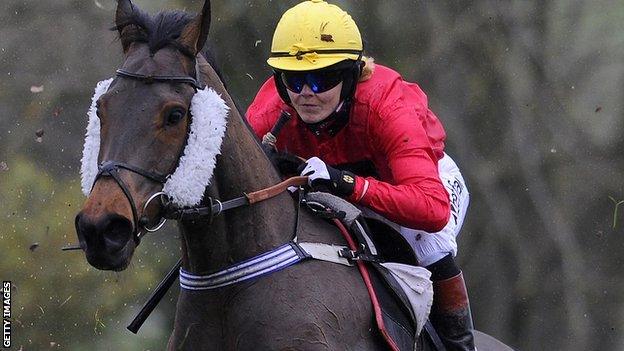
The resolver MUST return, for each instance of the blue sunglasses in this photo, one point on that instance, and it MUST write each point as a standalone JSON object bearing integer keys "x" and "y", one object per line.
{"x": 318, "y": 81}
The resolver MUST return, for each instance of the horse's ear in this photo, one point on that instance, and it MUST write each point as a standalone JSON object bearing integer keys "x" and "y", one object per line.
{"x": 124, "y": 12}
{"x": 195, "y": 33}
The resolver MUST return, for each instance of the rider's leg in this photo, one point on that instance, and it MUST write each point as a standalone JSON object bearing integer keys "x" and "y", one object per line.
{"x": 450, "y": 313}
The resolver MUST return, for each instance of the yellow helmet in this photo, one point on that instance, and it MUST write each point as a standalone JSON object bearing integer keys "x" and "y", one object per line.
{"x": 314, "y": 35}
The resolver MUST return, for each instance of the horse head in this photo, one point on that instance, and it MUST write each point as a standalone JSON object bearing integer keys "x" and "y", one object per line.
{"x": 142, "y": 129}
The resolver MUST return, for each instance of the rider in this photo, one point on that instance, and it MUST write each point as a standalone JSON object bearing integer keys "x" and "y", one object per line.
{"x": 378, "y": 145}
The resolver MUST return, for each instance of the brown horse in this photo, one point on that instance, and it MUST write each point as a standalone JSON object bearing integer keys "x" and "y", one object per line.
{"x": 146, "y": 116}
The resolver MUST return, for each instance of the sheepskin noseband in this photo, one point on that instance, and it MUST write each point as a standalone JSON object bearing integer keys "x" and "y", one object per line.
{"x": 186, "y": 185}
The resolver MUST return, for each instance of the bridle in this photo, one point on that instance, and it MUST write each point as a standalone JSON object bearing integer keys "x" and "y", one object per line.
{"x": 214, "y": 207}
{"x": 111, "y": 168}
{"x": 196, "y": 81}
{"x": 169, "y": 210}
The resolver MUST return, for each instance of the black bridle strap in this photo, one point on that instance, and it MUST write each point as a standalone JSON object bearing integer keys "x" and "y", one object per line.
{"x": 111, "y": 169}
{"x": 115, "y": 175}
{"x": 213, "y": 209}
{"x": 147, "y": 174}
{"x": 196, "y": 81}
{"x": 162, "y": 79}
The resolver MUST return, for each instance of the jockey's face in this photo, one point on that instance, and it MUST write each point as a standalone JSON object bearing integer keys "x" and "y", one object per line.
{"x": 315, "y": 107}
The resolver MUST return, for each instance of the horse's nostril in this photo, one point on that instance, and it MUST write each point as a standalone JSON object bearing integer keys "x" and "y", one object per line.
{"x": 110, "y": 233}
{"x": 117, "y": 232}
{"x": 86, "y": 231}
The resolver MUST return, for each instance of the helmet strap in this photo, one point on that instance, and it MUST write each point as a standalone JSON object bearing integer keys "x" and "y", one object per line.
{"x": 281, "y": 87}
{"x": 349, "y": 84}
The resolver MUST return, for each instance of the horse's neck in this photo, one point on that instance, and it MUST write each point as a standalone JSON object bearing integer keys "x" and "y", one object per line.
{"x": 244, "y": 232}
{"x": 244, "y": 168}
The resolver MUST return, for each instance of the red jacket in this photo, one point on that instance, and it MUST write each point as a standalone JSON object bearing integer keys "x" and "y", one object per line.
{"x": 391, "y": 125}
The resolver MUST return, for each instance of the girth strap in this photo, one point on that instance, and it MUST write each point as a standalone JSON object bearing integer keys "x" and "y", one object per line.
{"x": 326, "y": 252}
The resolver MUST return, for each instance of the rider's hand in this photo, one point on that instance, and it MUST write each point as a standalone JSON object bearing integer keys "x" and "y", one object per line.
{"x": 326, "y": 178}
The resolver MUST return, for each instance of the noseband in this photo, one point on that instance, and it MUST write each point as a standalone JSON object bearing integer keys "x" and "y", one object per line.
{"x": 111, "y": 168}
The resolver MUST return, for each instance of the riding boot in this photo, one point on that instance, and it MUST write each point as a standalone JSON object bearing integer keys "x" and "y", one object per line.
{"x": 450, "y": 313}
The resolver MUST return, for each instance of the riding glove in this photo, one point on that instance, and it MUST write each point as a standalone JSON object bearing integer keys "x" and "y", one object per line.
{"x": 322, "y": 177}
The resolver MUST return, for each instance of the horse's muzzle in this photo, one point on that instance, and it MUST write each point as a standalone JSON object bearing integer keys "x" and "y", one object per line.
{"x": 105, "y": 240}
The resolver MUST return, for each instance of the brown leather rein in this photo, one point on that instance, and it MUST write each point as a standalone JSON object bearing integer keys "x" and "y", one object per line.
{"x": 215, "y": 206}
{"x": 276, "y": 189}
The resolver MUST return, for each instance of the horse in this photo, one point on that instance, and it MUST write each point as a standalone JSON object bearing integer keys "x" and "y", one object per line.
{"x": 147, "y": 119}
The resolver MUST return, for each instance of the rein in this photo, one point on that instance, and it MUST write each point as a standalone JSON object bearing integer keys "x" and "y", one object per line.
{"x": 216, "y": 207}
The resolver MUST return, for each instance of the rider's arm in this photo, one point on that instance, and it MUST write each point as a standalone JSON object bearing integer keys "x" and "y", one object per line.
{"x": 415, "y": 198}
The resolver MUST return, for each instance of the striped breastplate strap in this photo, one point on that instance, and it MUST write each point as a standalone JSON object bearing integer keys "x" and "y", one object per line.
{"x": 272, "y": 261}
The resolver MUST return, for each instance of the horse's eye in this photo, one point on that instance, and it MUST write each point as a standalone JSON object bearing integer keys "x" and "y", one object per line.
{"x": 175, "y": 116}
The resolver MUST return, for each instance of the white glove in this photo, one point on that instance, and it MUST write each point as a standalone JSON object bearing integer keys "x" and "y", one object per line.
{"x": 315, "y": 169}
{"x": 322, "y": 177}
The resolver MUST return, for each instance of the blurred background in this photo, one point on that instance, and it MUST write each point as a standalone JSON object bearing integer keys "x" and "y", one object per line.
{"x": 530, "y": 92}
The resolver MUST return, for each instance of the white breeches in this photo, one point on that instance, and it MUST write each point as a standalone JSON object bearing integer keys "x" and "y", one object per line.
{"x": 431, "y": 247}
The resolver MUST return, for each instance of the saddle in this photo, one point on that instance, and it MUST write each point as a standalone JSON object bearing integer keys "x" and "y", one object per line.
{"x": 402, "y": 289}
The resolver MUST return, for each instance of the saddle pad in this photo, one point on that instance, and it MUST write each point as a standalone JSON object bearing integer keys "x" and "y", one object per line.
{"x": 414, "y": 284}
{"x": 396, "y": 316}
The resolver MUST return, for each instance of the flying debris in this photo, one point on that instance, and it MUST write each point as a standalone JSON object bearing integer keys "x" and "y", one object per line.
{"x": 36, "y": 89}
{"x": 98, "y": 4}
{"x": 39, "y": 133}
{"x": 57, "y": 111}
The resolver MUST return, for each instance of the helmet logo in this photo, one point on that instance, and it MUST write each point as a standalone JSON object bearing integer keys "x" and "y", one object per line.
{"x": 327, "y": 37}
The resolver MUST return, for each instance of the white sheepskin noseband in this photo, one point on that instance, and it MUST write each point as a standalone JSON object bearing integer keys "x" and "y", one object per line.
{"x": 185, "y": 187}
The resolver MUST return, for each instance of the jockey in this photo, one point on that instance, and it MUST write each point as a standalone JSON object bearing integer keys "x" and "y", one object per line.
{"x": 370, "y": 138}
